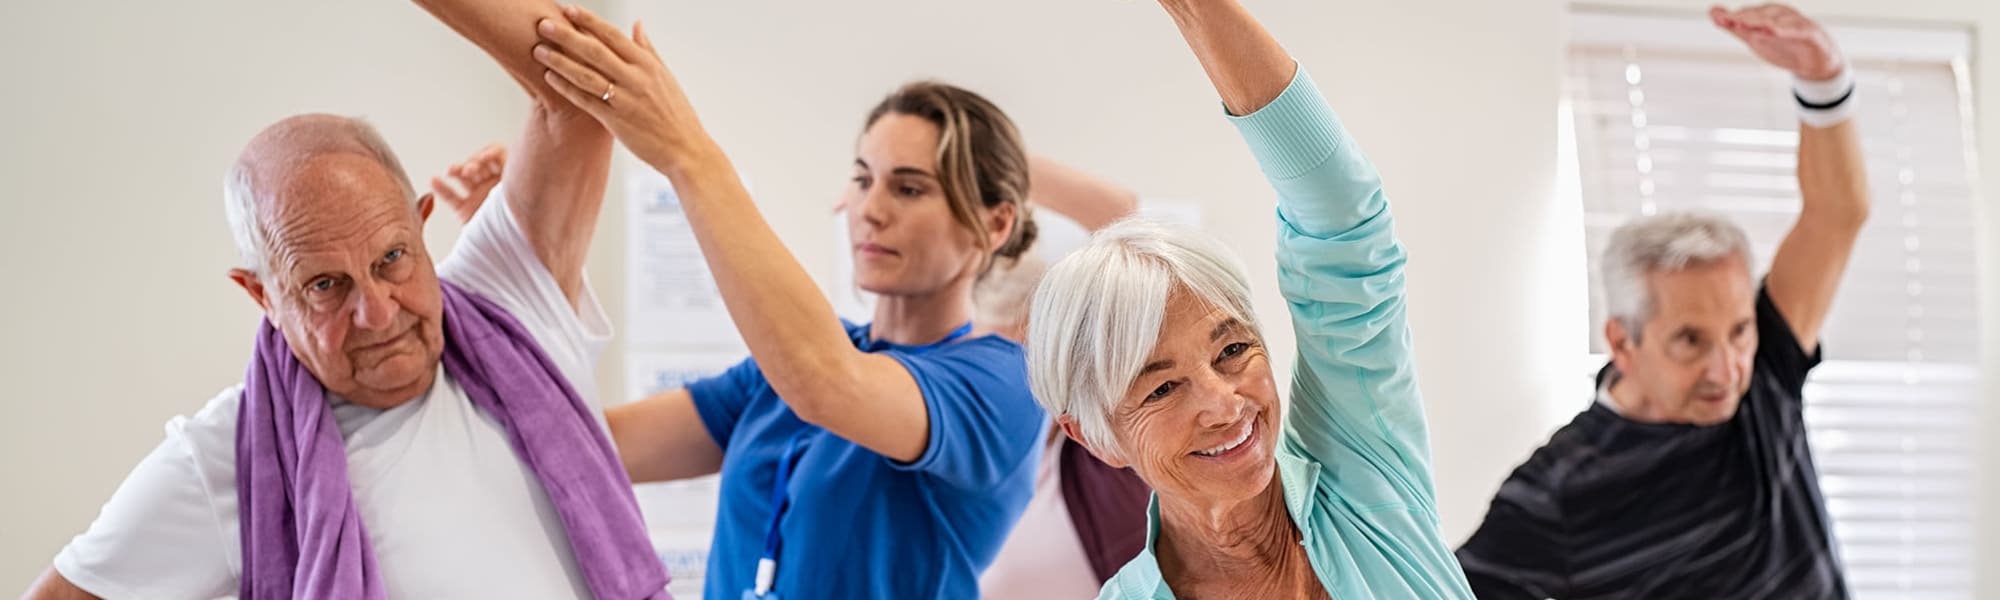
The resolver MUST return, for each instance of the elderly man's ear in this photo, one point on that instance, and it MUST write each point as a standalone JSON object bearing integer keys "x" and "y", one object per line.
{"x": 251, "y": 285}
{"x": 424, "y": 206}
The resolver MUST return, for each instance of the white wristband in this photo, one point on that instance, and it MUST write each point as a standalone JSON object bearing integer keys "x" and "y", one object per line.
{"x": 1825, "y": 103}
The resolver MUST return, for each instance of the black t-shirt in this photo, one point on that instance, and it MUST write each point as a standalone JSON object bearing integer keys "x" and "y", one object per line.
{"x": 1614, "y": 508}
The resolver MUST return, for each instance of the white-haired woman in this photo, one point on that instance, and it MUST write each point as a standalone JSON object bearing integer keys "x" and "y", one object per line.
{"x": 1145, "y": 346}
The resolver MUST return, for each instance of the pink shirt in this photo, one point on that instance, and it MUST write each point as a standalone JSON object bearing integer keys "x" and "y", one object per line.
{"x": 1043, "y": 559}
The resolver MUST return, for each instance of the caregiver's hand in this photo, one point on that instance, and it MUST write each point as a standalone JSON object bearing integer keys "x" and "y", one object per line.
{"x": 622, "y": 82}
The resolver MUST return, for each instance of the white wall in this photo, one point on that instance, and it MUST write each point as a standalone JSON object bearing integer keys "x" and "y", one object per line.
{"x": 116, "y": 136}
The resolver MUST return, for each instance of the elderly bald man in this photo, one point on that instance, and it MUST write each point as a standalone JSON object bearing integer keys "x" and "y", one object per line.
{"x": 405, "y": 429}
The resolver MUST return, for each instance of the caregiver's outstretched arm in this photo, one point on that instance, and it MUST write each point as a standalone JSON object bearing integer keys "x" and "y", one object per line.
{"x": 790, "y": 328}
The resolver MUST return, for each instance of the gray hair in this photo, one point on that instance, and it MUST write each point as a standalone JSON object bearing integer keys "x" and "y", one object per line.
{"x": 282, "y": 146}
{"x": 1664, "y": 242}
{"x": 1097, "y": 314}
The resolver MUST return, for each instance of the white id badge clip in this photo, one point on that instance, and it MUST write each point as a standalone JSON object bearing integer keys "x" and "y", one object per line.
{"x": 767, "y": 575}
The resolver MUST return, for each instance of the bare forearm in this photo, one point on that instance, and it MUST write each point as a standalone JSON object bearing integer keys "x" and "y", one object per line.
{"x": 53, "y": 586}
{"x": 791, "y": 330}
{"x": 558, "y": 171}
{"x": 662, "y": 438}
{"x": 1092, "y": 202}
{"x": 1247, "y": 66}
{"x": 505, "y": 29}
{"x": 1833, "y": 184}
{"x": 1833, "y": 177}
{"x": 788, "y": 326}
{"x": 556, "y": 178}
{"x": 1806, "y": 270}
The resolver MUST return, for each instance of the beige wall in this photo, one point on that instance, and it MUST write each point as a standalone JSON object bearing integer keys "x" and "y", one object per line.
{"x": 116, "y": 136}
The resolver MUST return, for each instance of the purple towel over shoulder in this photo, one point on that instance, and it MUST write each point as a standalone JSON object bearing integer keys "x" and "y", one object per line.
{"x": 302, "y": 535}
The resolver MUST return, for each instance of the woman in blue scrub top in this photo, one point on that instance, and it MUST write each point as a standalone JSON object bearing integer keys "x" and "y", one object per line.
{"x": 885, "y": 460}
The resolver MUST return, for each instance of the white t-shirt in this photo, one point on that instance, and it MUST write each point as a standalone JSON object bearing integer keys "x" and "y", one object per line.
{"x": 1043, "y": 557}
{"x": 450, "y": 510}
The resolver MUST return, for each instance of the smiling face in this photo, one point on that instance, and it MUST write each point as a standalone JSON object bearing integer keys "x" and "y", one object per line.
{"x": 1200, "y": 423}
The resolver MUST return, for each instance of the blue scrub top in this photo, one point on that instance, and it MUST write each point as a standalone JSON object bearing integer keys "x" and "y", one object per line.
{"x": 862, "y": 525}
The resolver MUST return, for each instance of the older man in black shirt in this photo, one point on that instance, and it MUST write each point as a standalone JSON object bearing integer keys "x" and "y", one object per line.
{"x": 1689, "y": 476}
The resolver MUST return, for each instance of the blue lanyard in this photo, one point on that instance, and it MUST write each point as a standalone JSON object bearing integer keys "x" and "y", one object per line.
{"x": 767, "y": 565}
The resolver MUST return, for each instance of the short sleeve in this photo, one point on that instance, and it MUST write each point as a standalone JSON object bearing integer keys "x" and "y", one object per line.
{"x": 983, "y": 422}
{"x": 1778, "y": 352}
{"x": 720, "y": 400}
{"x": 1518, "y": 552}
{"x": 169, "y": 531}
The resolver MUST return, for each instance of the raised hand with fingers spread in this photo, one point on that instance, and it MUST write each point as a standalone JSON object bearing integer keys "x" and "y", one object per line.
{"x": 465, "y": 185}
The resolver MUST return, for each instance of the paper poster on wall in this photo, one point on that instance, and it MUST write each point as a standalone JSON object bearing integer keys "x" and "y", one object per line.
{"x": 680, "y": 521}
{"x": 677, "y": 331}
{"x": 670, "y": 297}
{"x": 686, "y": 554}
{"x": 649, "y": 372}
{"x": 680, "y": 515}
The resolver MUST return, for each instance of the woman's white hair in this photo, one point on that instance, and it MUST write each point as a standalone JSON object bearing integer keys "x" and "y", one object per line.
{"x": 1097, "y": 314}
{"x": 239, "y": 187}
{"x": 1664, "y": 242}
